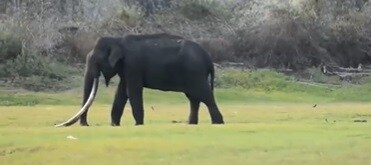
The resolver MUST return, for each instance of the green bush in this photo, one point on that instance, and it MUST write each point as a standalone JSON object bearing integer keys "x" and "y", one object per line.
{"x": 12, "y": 100}
{"x": 10, "y": 47}
{"x": 260, "y": 79}
{"x": 268, "y": 81}
{"x": 34, "y": 72}
{"x": 296, "y": 34}
{"x": 40, "y": 83}
{"x": 300, "y": 34}
{"x": 201, "y": 9}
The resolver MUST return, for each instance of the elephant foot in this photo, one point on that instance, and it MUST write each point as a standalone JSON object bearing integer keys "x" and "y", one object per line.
{"x": 139, "y": 124}
{"x": 193, "y": 120}
{"x": 217, "y": 119}
{"x": 115, "y": 124}
{"x": 192, "y": 123}
{"x": 84, "y": 124}
{"x": 217, "y": 122}
{"x": 221, "y": 122}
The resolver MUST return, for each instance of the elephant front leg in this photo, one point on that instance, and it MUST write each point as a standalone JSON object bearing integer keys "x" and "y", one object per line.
{"x": 136, "y": 102}
{"x": 119, "y": 103}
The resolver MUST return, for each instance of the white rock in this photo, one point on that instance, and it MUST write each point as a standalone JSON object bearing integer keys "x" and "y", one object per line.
{"x": 71, "y": 137}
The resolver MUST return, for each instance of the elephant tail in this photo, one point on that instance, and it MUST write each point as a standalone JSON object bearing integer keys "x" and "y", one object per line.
{"x": 212, "y": 76}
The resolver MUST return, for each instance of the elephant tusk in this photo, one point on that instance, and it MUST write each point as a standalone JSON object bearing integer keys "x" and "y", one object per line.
{"x": 88, "y": 103}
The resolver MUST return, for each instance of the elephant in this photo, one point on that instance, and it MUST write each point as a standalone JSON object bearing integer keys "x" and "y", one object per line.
{"x": 158, "y": 61}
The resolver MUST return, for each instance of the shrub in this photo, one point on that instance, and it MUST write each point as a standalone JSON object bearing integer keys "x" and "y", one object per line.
{"x": 126, "y": 20}
{"x": 295, "y": 34}
{"x": 260, "y": 79}
{"x": 195, "y": 19}
{"x": 350, "y": 44}
{"x": 219, "y": 49}
{"x": 34, "y": 72}
{"x": 42, "y": 83}
{"x": 268, "y": 81}
{"x": 278, "y": 35}
{"x": 303, "y": 33}
{"x": 10, "y": 47}
{"x": 11, "y": 100}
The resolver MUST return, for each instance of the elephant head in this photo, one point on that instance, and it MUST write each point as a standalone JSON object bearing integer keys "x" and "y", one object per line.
{"x": 101, "y": 60}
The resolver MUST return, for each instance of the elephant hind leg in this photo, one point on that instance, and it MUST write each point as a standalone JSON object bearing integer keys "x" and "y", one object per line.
{"x": 216, "y": 116}
{"x": 205, "y": 95}
{"x": 195, "y": 105}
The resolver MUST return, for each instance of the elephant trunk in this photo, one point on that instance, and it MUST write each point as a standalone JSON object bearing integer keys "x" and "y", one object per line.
{"x": 89, "y": 83}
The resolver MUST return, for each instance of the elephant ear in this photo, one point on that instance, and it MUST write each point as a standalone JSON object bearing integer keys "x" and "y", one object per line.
{"x": 115, "y": 55}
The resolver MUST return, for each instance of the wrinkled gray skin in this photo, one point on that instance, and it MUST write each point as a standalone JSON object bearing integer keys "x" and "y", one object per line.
{"x": 158, "y": 61}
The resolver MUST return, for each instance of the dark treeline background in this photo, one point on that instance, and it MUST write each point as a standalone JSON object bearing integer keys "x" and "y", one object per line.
{"x": 44, "y": 41}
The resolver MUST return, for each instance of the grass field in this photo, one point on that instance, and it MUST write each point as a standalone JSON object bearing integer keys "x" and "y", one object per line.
{"x": 270, "y": 119}
{"x": 261, "y": 128}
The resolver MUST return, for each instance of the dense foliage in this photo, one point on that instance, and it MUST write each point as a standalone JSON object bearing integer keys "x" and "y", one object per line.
{"x": 39, "y": 37}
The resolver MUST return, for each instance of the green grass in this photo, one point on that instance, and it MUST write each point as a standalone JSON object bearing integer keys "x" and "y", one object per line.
{"x": 226, "y": 96}
{"x": 254, "y": 134}
{"x": 269, "y": 121}
{"x": 234, "y": 86}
